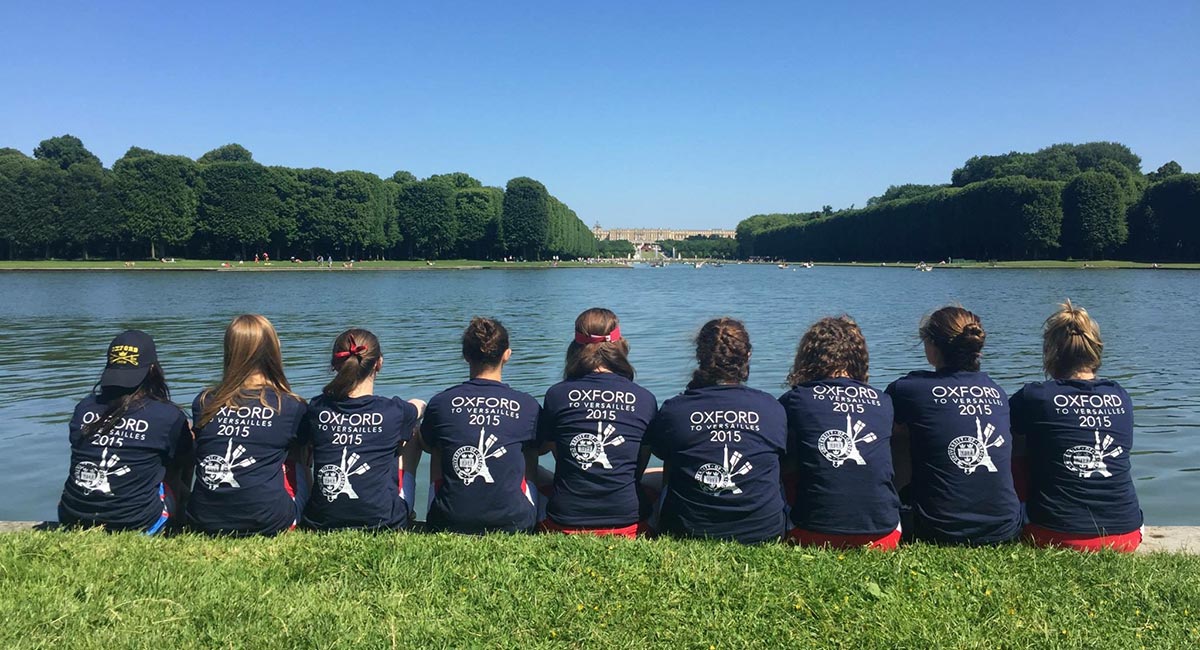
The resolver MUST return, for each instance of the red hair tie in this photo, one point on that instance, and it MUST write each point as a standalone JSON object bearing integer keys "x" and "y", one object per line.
{"x": 352, "y": 350}
{"x": 585, "y": 339}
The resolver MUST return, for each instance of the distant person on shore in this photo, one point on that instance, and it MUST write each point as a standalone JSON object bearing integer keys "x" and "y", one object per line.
{"x": 839, "y": 443}
{"x": 131, "y": 447}
{"x": 595, "y": 422}
{"x": 246, "y": 438}
{"x": 721, "y": 443}
{"x": 1077, "y": 430}
{"x": 481, "y": 436}
{"x": 361, "y": 444}
{"x": 952, "y": 447}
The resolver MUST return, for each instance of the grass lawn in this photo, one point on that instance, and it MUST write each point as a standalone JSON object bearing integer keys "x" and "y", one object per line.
{"x": 215, "y": 265}
{"x": 92, "y": 589}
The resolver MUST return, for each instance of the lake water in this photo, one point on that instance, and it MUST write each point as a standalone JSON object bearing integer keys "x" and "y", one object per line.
{"x": 54, "y": 329}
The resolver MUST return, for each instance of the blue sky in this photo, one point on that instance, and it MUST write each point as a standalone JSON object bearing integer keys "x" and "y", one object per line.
{"x": 678, "y": 114}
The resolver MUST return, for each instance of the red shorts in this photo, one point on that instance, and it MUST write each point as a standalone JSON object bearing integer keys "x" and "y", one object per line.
{"x": 1124, "y": 543}
{"x": 888, "y": 542}
{"x": 629, "y": 531}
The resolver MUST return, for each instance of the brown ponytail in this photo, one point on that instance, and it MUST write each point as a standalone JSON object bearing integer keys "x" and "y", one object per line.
{"x": 356, "y": 356}
{"x": 722, "y": 353}
{"x": 958, "y": 335}
{"x": 484, "y": 342}
{"x": 585, "y": 358}
{"x": 1070, "y": 342}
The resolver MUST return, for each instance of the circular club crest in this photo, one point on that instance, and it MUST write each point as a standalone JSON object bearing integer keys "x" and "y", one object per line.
{"x": 88, "y": 476}
{"x": 966, "y": 452}
{"x": 214, "y": 469}
{"x": 712, "y": 477}
{"x": 585, "y": 447}
{"x": 1082, "y": 459}
{"x": 332, "y": 479}
{"x": 466, "y": 462}
{"x": 835, "y": 446}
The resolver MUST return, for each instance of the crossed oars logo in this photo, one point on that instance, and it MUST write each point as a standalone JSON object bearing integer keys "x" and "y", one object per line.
{"x": 1087, "y": 460}
{"x": 588, "y": 448}
{"x": 219, "y": 469}
{"x": 971, "y": 453}
{"x": 93, "y": 477}
{"x": 335, "y": 479}
{"x": 840, "y": 446}
{"x": 716, "y": 478}
{"x": 471, "y": 462}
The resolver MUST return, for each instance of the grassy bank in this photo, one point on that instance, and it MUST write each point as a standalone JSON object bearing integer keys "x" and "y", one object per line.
{"x": 353, "y": 590}
{"x": 216, "y": 265}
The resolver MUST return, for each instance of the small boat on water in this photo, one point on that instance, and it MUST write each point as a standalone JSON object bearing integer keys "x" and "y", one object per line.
{"x": 783, "y": 265}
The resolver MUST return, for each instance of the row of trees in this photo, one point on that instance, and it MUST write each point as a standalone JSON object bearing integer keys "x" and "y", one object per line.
{"x": 62, "y": 202}
{"x": 1068, "y": 201}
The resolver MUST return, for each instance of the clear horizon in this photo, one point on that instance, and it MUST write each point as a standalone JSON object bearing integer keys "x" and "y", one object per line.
{"x": 673, "y": 116}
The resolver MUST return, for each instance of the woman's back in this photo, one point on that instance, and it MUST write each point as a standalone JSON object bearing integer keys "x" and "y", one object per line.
{"x": 961, "y": 447}
{"x": 116, "y": 474}
{"x": 1079, "y": 440}
{"x": 597, "y": 423}
{"x": 840, "y": 431}
{"x": 241, "y": 485}
{"x": 481, "y": 428}
{"x": 722, "y": 446}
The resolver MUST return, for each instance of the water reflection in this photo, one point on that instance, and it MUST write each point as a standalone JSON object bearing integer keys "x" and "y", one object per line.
{"x": 54, "y": 328}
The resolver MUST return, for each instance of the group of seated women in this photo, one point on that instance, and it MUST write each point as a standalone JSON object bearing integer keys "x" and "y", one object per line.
{"x": 832, "y": 462}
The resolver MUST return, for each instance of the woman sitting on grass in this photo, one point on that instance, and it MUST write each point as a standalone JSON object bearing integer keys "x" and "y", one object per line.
{"x": 481, "y": 436}
{"x": 839, "y": 433}
{"x": 1078, "y": 434}
{"x": 721, "y": 443}
{"x": 245, "y": 428}
{"x": 357, "y": 439}
{"x": 595, "y": 421}
{"x": 951, "y": 436}
{"x": 130, "y": 446}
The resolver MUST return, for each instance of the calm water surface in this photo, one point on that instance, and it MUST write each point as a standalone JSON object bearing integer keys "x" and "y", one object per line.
{"x": 54, "y": 328}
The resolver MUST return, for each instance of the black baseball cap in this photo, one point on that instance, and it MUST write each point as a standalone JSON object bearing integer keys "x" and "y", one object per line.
{"x": 130, "y": 356}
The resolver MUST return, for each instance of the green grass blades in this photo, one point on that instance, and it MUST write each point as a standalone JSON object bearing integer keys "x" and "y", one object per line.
{"x": 346, "y": 590}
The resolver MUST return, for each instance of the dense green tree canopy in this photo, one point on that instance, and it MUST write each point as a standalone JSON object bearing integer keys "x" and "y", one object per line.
{"x": 63, "y": 202}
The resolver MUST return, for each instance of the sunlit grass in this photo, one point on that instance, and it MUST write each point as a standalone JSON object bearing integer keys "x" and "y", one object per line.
{"x": 408, "y": 590}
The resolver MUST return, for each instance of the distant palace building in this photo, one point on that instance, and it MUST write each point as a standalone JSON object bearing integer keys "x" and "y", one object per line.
{"x": 651, "y": 235}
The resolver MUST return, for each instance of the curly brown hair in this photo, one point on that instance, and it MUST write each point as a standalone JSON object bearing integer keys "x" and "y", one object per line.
{"x": 832, "y": 346}
{"x": 722, "y": 353}
{"x": 584, "y": 358}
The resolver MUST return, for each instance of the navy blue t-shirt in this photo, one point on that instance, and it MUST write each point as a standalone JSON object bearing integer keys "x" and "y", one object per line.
{"x": 356, "y": 445}
{"x": 597, "y": 423}
{"x": 722, "y": 446}
{"x": 962, "y": 484}
{"x": 240, "y": 483}
{"x": 839, "y": 434}
{"x": 1079, "y": 438}
{"x": 481, "y": 429}
{"x": 115, "y": 476}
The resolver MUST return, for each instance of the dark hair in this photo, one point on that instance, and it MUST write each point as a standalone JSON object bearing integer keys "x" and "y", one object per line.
{"x": 957, "y": 334}
{"x": 122, "y": 400}
{"x": 722, "y": 353}
{"x": 830, "y": 346}
{"x": 484, "y": 342}
{"x": 356, "y": 355}
{"x": 584, "y": 358}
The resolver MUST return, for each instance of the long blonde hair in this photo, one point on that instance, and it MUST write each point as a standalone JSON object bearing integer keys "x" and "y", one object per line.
{"x": 1070, "y": 342}
{"x": 251, "y": 347}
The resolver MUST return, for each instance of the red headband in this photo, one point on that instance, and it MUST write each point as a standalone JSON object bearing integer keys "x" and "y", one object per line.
{"x": 352, "y": 350}
{"x": 584, "y": 339}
